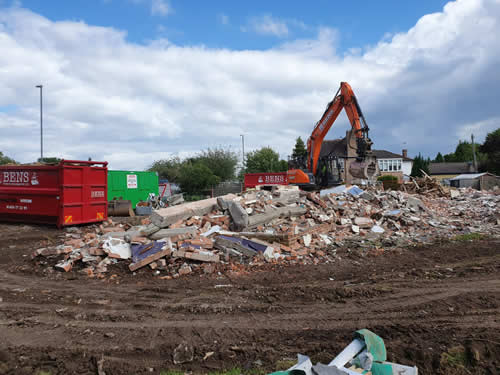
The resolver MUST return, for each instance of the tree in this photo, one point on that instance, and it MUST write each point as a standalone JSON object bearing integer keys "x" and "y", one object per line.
{"x": 222, "y": 162}
{"x": 439, "y": 158}
{"x": 50, "y": 160}
{"x": 299, "y": 151}
{"x": 283, "y": 166}
{"x": 265, "y": 160}
{"x": 195, "y": 177}
{"x": 419, "y": 164}
{"x": 299, "y": 154}
{"x": 4, "y": 159}
{"x": 167, "y": 168}
{"x": 463, "y": 153}
{"x": 449, "y": 158}
{"x": 491, "y": 149}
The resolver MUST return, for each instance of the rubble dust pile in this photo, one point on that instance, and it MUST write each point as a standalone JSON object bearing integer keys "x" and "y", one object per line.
{"x": 285, "y": 226}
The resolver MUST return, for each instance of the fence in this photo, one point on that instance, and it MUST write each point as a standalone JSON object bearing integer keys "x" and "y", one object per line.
{"x": 227, "y": 188}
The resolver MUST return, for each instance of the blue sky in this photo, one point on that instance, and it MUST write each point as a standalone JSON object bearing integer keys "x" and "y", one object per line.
{"x": 218, "y": 23}
{"x": 134, "y": 81}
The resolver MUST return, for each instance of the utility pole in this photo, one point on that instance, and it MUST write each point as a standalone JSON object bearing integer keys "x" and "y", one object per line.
{"x": 474, "y": 153}
{"x": 41, "y": 122}
{"x": 242, "y": 151}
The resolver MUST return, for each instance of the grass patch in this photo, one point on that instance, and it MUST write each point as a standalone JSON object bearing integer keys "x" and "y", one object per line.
{"x": 285, "y": 364}
{"x": 469, "y": 237}
{"x": 234, "y": 371}
{"x": 256, "y": 371}
{"x": 281, "y": 365}
{"x": 455, "y": 358}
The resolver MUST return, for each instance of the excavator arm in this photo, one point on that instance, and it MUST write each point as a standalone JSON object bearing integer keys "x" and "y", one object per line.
{"x": 365, "y": 167}
{"x": 344, "y": 98}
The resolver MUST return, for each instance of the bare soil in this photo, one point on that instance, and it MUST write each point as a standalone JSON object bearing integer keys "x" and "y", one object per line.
{"x": 436, "y": 306}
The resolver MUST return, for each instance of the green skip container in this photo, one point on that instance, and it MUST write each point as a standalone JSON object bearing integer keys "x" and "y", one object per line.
{"x": 134, "y": 186}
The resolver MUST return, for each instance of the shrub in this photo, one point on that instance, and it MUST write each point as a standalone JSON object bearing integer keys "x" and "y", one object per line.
{"x": 387, "y": 178}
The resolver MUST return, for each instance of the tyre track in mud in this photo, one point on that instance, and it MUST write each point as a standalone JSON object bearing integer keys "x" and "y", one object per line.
{"x": 400, "y": 306}
{"x": 421, "y": 301}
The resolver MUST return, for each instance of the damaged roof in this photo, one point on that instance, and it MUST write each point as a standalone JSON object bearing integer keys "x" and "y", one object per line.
{"x": 451, "y": 168}
{"x": 472, "y": 176}
{"x": 336, "y": 147}
{"x": 384, "y": 154}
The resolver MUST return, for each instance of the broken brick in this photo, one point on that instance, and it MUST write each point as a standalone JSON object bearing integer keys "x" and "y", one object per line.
{"x": 139, "y": 239}
{"x": 177, "y": 224}
{"x": 76, "y": 243}
{"x": 185, "y": 270}
{"x": 96, "y": 251}
{"x": 64, "y": 266}
{"x": 113, "y": 229}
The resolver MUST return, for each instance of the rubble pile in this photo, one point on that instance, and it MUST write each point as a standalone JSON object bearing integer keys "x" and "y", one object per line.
{"x": 426, "y": 185}
{"x": 284, "y": 225}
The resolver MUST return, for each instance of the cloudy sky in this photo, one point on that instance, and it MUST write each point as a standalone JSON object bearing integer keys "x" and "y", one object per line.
{"x": 133, "y": 81}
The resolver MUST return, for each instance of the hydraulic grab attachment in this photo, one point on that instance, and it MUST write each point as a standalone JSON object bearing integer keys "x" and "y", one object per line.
{"x": 317, "y": 172}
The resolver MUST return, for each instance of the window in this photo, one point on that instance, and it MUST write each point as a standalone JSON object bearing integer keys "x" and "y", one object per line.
{"x": 389, "y": 165}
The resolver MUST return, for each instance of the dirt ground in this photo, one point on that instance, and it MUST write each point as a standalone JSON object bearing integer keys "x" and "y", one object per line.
{"x": 437, "y": 307}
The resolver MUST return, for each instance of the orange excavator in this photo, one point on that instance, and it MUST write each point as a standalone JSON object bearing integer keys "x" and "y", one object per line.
{"x": 316, "y": 172}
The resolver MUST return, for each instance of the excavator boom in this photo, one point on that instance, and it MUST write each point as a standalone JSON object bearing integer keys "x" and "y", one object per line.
{"x": 343, "y": 99}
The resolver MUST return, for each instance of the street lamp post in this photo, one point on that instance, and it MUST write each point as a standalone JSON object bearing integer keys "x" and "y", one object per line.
{"x": 474, "y": 153}
{"x": 242, "y": 150}
{"x": 41, "y": 122}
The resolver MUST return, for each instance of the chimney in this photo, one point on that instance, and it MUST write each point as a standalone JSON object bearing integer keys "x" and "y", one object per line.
{"x": 405, "y": 153}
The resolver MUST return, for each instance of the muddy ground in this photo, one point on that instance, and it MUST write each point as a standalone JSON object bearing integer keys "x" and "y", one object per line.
{"x": 437, "y": 307}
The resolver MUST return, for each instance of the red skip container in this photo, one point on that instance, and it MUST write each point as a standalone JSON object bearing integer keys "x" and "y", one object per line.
{"x": 73, "y": 192}
{"x": 254, "y": 179}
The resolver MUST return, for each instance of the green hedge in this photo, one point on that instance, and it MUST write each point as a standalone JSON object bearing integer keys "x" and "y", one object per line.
{"x": 387, "y": 178}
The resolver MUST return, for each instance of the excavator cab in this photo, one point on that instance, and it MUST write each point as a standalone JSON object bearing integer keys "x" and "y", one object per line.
{"x": 329, "y": 171}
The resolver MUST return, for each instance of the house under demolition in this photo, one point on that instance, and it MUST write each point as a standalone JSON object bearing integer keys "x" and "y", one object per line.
{"x": 344, "y": 149}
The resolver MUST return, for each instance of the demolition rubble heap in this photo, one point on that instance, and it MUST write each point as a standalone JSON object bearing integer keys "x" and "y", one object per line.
{"x": 285, "y": 226}
{"x": 425, "y": 185}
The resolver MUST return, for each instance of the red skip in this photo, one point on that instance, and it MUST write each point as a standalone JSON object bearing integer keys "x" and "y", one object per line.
{"x": 73, "y": 192}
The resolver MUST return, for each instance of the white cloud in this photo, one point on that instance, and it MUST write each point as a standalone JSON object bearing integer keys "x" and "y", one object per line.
{"x": 267, "y": 25}
{"x": 108, "y": 98}
{"x": 480, "y": 129}
{"x": 223, "y": 19}
{"x": 160, "y": 7}
{"x": 323, "y": 46}
{"x": 17, "y": 3}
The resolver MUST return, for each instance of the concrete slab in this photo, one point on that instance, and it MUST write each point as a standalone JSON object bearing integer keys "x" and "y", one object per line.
{"x": 167, "y": 216}
{"x": 164, "y": 233}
